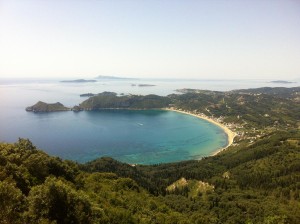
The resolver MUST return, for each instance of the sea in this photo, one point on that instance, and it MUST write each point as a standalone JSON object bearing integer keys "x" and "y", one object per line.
{"x": 131, "y": 136}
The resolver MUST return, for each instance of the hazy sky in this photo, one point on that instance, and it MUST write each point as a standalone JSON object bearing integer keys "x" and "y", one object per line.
{"x": 138, "y": 38}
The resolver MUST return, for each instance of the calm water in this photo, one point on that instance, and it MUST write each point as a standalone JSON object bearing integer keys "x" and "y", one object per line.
{"x": 143, "y": 137}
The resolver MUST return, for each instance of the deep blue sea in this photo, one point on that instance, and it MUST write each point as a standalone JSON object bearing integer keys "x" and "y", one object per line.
{"x": 137, "y": 137}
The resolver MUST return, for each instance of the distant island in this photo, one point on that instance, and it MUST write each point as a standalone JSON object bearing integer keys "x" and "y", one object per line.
{"x": 47, "y": 107}
{"x": 106, "y": 77}
{"x": 281, "y": 82}
{"x": 143, "y": 85}
{"x": 79, "y": 80}
{"x": 105, "y": 93}
{"x": 87, "y": 95}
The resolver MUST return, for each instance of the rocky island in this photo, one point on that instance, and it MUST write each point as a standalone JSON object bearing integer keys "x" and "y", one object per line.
{"x": 47, "y": 107}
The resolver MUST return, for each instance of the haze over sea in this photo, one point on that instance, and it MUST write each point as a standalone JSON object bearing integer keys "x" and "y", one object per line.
{"x": 144, "y": 137}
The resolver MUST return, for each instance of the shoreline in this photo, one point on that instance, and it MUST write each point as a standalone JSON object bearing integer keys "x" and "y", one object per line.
{"x": 230, "y": 134}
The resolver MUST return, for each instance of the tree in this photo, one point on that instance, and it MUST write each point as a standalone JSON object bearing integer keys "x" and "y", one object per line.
{"x": 55, "y": 200}
{"x": 11, "y": 203}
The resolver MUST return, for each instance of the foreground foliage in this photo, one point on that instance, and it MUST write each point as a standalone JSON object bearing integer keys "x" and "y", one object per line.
{"x": 257, "y": 183}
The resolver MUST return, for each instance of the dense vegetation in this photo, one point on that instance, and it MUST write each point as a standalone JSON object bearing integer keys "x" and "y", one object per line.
{"x": 257, "y": 183}
{"x": 251, "y": 182}
{"x": 258, "y": 108}
{"x": 37, "y": 188}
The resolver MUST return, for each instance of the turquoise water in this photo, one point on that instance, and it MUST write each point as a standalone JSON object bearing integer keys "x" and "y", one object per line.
{"x": 143, "y": 137}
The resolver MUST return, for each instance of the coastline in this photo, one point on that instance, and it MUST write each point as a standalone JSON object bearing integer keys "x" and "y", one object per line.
{"x": 230, "y": 134}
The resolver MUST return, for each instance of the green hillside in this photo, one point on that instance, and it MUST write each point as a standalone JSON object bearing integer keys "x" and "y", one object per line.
{"x": 109, "y": 101}
{"x": 258, "y": 183}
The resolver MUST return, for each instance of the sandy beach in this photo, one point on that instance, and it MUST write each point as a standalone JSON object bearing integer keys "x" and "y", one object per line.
{"x": 230, "y": 134}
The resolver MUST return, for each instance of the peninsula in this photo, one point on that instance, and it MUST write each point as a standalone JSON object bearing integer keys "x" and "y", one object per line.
{"x": 110, "y": 100}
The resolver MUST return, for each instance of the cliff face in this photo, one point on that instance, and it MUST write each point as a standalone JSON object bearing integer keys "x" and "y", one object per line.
{"x": 47, "y": 107}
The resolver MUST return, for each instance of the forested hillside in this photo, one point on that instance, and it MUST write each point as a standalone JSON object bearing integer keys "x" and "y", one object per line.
{"x": 111, "y": 100}
{"x": 257, "y": 183}
{"x": 253, "y": 108}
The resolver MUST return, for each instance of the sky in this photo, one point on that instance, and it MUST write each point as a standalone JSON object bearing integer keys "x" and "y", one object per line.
{"x": 198, "y": 39}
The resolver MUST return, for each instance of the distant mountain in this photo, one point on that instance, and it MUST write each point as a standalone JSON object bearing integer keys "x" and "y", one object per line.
{"x": 79, "y": 80}
{"x": 112, "y": 77}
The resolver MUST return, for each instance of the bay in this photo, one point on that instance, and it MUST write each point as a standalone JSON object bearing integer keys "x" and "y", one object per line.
{"x": 143, "y": 137}
{"x": 137, "y": 137}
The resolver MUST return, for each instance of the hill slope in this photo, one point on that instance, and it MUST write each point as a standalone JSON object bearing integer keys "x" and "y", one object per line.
{"x": 256, "y": 183}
